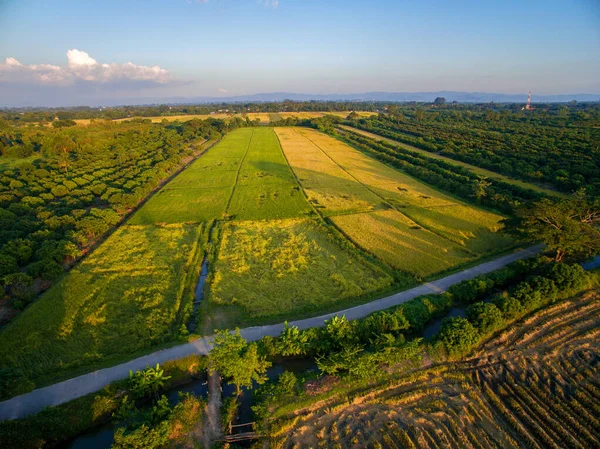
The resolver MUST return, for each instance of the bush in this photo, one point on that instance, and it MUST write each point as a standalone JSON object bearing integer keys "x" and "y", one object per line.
{"x": 566, "y": 277}
{"x": 486, "y": 317}
{"x": 527, "y": 296}
{"x": 458, "y": 336}
{"x": 509, "y": 306}
{"x": 470, "y": 291}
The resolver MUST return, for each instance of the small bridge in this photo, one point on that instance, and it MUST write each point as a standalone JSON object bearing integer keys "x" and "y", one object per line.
{"x": 242, "y": 436}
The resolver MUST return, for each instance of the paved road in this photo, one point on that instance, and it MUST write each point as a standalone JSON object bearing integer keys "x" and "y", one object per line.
{"x": 68, "y": 390}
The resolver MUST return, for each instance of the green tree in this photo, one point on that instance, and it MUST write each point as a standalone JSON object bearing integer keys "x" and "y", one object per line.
{"x": 236, "y": 360}
{"x": 480, "y": 187}
{"x": 567, "y": 227}
{"x": 486, "y": 317}
{"x": 292, "y": 341}
{"x": 458, "y": 336}
{"x": 439, "y": 100}
{"x": 148, "y": 382}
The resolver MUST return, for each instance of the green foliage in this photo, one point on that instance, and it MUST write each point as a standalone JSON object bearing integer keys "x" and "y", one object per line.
{"x": 447, "y": 176}
{"x": 78, "y": 183}
{"x": 559, "y": 146}
{"x": 567, "y": 227}
{"x": 470, "y": 291}
{"x": 236, "y": 360}
{"x": 147, "y": 382}
{"x": 286, "y": 383}
{"x": 144, "y": 437}
{"x": 458, "y": 336}
{"x": 486, "y": 317}
{"x": 292, "y": 342}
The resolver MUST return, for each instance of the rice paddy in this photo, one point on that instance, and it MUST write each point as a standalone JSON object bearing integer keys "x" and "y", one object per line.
{"x": 128, "y": 295}
{"x": 402, "y": 221}
{"x": 281, "y": 269}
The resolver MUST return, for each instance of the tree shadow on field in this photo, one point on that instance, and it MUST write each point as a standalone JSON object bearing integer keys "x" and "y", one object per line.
{"x": 120, "y": 301}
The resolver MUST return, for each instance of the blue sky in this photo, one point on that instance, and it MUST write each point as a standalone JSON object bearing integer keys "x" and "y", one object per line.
{"x": 234, "y": 47}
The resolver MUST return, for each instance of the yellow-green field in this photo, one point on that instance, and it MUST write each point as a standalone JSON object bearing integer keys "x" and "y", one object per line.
{"x": 245, "y": 176}
{"x": 426, "y": 233}
{"x": 129, "y": 294}
{"x": 283, "y": 269}
{"x": 272, "y": 258}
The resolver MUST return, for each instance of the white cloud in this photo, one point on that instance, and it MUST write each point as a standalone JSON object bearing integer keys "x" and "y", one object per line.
{"x": 221, "y": 90}
{"x": 81, "y": 67}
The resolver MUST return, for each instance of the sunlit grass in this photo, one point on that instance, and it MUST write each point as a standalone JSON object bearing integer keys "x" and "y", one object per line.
{"x": 401, "y": 243}
{"x": 266, "y": 187}
{"x": 405, "y": 223}
{"x": 281, "y": 268}
{"x": 126, "y": 296}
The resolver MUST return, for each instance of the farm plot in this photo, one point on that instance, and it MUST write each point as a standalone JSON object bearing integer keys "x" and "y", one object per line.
{"x": 401, "y": 242}
{"x": 266, "y": 187}
{"x": 131, "y": 293}
{"x": 282, "y": 269}
{"x": 428, "y": 231}
{"x": 535, "y": 385}
{"x": 201, "y": 192}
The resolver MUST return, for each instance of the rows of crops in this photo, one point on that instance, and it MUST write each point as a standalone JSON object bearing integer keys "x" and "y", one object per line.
{"x": 542, "y": 394}
{"x": 275, "y": 260}
{"x": 405, "y": 223}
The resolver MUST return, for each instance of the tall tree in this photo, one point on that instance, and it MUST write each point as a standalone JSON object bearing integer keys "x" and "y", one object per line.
{"x": 567, "y": 227}
{"x": 237, "y": 360}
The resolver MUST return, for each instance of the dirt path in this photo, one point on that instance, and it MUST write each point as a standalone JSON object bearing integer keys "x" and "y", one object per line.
{"x": 68, "y": 390}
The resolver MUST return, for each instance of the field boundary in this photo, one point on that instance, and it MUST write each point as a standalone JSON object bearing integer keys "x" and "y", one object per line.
{"x": 237, "y": 175}
{"x": 59, "y": 393}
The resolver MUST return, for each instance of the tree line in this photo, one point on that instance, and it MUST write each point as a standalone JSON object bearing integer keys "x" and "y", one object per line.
{"x": 558, "y": 145}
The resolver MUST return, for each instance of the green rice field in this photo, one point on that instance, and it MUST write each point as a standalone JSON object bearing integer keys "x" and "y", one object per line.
{"x": 128, "y": 295}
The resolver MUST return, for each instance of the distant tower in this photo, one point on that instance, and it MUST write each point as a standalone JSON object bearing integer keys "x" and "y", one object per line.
{"x": 528, "y": 106}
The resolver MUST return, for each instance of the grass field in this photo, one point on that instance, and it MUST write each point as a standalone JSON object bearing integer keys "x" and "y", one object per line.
{"x": 404, "y": 222}
{"x": 473, "y": 168}
{"x": 534, "y": 385}
{"x": 129, "y": 294}
{"x": 266, "y": 187}
{"x": 202, "y": 191}
{"x": 283, "y": 269}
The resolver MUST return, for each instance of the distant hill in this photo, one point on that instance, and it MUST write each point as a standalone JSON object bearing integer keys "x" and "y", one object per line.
{"x": 460, "y": 97}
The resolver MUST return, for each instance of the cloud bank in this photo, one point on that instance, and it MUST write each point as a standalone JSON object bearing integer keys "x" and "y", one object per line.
{"x": 82, "y": 68}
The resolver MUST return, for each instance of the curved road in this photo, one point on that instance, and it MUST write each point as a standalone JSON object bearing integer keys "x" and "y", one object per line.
{"x": 33, "y": 402}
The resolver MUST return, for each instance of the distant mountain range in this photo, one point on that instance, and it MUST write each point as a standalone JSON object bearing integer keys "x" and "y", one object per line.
{"x": 460, "y": 97}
